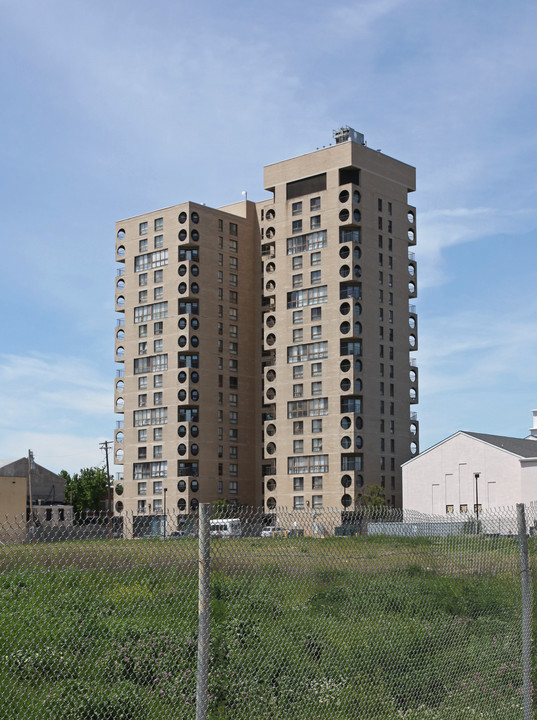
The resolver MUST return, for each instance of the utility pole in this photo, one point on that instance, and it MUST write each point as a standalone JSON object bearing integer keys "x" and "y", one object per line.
{"x": 104, "y": 446}
{"x": 31, "y": 465}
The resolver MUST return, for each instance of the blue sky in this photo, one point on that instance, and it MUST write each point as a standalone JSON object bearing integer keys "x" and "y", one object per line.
{"x": 111, "y": 109}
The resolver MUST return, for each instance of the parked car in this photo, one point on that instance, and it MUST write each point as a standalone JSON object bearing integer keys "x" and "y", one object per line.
{"x": 273, "y": 531}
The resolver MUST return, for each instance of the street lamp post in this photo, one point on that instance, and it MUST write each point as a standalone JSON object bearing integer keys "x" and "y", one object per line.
{"x": 476, "y": 476}
{"x": 165, "y": 513}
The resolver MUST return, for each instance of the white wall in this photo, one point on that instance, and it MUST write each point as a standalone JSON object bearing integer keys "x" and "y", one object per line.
{"x": 444, "y": 475}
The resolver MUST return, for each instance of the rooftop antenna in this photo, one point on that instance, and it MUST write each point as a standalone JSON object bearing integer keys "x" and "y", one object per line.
{"x": 245, "y": 194}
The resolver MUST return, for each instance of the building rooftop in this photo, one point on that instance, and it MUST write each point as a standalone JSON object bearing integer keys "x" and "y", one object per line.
{"x": 518, "y": 446}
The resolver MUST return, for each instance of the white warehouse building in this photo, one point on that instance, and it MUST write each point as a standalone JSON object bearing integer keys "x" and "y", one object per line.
{"x": 469, "y": 471}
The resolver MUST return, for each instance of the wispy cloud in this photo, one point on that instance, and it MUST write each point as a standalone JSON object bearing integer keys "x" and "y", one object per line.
{"x": 60, "y": 404}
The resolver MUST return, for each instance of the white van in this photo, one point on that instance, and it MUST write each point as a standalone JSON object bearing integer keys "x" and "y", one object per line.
{"x": 226, "y": 528}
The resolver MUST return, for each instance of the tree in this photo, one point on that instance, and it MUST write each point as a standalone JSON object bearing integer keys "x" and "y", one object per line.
{"x": 372, "y": 498}
{"x": 86, "y": 490}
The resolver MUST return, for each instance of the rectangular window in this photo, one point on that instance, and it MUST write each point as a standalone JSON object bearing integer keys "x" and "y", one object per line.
{"x": 317, "y": 445}
{"x": 142, "y": 435}
{"x": 316, "y": 332}
{"x": 298, "y": 427}
{"x": 233, "y": 279}
{"x": 297, "y": 262}
{"x": 142, "y": 488}
{"x": 298, "y": 446}
{"x": 189, "y": 254}
{"x": 233, "y": 331}
{"x": 159, "y": 224}
{"x": 296, "y": 208}
{"x": 317, "y": 482}
{"x": 298, "y": 484}
{"x": 298, "y": 371}
{"x": 298, "y": 502}
{"x": 233, "y": 297}
{"x": 233, "y": 229}
{"x": 151, "y": 260}
{"x": 158, "y": 241}
{"x": 220, "y": 259}
{"x": 233, "y": 348}
{"x": 142, "y": 453}
{"x": 142, "y": 279}
{"x": 233, "y": 246}
{"x": 310, "y": 351}
{"x": 317, "y": 501}
{"x": 297, "y": 317}
{"x": 157, "y": 434}
{"x": 315, "y": 277}
{"x": 303, "y": 243}
{"x": 142, "y": 296}
{"x": 315, "y": 258}
{"x": 157, "y": 488}
{"x": 233, "y": 399}
{"x": 141, "y": 506}
{"x": 143, "y": 228}
{"x": 142, "y": 382}
{"x": 307, "y": 464}
{"x": 351, "y": 404}
{"x": 315, "y": 204}
{"x": 142, "y": 348}
{"x": 315, "y": 222}
{"x": 297, "y": 226}
{"x": 316, "y": 426}
{"x": 233, "y": 469}
{"x": 317, "y": 388}
{"x": 158, "y": 328}
{"x": 233, "y": 484}
{"x": 157, "y": 398}
{"x": 157, "y": 452}
{"x": 233, "y": 314}
{"x": 309, "y": 296}
{"x": 316, "y": 369}
{"x": 150, "y": 312}
{"x": 157, "y": 346}
{"x": 298, "y": 390}
{"x": 307, "y": 408}
{"x": 297, "y": 335}
{"x": 297, "y": 280}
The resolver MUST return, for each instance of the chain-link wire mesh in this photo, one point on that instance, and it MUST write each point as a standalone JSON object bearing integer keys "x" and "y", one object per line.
{"x": 313, "y": 614}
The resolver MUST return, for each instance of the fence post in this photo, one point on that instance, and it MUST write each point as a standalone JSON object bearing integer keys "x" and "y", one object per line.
{"x": 526, "y": 610}
{"x": 203, "y": 611}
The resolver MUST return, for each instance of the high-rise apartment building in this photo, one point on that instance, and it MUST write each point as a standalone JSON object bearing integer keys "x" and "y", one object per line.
{"x": 266, "y": 345}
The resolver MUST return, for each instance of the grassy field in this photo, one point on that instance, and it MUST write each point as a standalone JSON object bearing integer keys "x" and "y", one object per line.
{"x": 303, "y": 628}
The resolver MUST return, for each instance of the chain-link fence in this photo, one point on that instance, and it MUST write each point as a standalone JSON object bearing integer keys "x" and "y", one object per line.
{"x": 300, "y": 614}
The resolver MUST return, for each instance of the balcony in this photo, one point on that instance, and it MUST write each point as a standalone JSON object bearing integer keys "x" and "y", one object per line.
{"x": 120, "y": 271}
{"x": 120, "y": 424}
{"x": 120, "y": 322}
{"x": 120, "y": 372}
